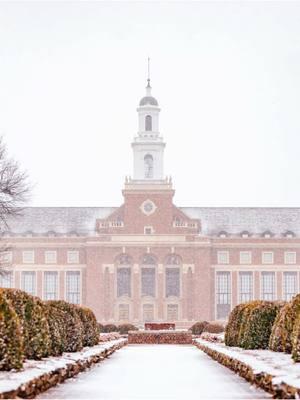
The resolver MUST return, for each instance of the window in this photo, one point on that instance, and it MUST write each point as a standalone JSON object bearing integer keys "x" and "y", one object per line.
{"x": 245, "y": 286}
{"x": 50, "y": 257}
{"x": 6, "y": 279}
{"x": 123, "y": 281}
{"x": 245, "y": 257}
{"x": 148, "y": 123}
{"x": 148, "y": 312}
{"x": 5, "y": 257}
{"x": 28, "y": 282}
{"x": 28, "y": 257}
{"x": 172, "y": 312}
{"x": 290, "y": 287}
{"x": 268, "y": 286}
{"x": 223, "y": 257}
{"x": 73, "y": 287}
{"x": 148, "y": 230}
{"x": 148, "y": 165}
{"x": 290, "y": 257}
{"x": 223, "y": 294}
{"x": 148, "y": 281}
{"x": 50, "y": 285}
{"x": 172, "y": 282}
{"x": 267, "y": 257}
{"x": 73, "y": 257}
{"x": 123, "y": 312}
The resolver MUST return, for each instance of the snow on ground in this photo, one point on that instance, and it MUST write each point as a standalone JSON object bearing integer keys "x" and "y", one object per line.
{"x": 279, "y": 365}
{"x": 156, "y": 372}
{"x": 11, "y": 380}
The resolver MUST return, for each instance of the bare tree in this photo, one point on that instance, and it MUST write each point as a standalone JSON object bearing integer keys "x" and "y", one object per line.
{"x": 14, "y": 192}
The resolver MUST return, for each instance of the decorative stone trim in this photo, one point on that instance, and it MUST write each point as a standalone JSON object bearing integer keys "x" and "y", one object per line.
{"x": 185, "y": 268}
{"x": 260, "y": 379}
{"x": 111, "y": 268}
{"x": 33, "y": 386}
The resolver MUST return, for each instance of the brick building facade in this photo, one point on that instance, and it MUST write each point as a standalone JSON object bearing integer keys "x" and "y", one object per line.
{"x": 149, "y": 260}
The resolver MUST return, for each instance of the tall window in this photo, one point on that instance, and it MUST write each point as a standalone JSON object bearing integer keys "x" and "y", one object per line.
{"x": 28, "y": 282}
{"x": 124, "y": 281}
{"x": 148, "y": 164}
{"x": 148, "y": 312}
{"x": 6, "y": 279}
{"x": 51, "y": 285}
{"x": 73, "y": 287}
{"x": 172, "y": 282}
{"x": 268, "y": 286}
{"x": 223, "y": 294}
{"x": 246, "y": 286}
{"x": 172, "y": 312}
{"x": 290, "y": 287}
{"x": 148, "y": 281}
{"x": 148, "y": 123}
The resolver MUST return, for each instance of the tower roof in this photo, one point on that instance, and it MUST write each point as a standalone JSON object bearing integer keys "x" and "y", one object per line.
{"x": 148, "y": 100}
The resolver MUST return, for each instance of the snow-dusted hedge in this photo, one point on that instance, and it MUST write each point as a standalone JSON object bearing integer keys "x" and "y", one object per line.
{"x": 125, "y": 328}
{"x": 110, "y": 328}
{"x": 198, "y": 327}
{"x": 233, "y": 327}
{"x": 58, "y": 335}
{"x": 214, "y": 327}
{"x": 90, "y": 326}
{"x": 34, "y": 324}
{"x": 74, "y": 331}
{"x": 11, "y": 339}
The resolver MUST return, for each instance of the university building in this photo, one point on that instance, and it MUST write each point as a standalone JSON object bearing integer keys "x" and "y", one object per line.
{"x": 149, "y": 260}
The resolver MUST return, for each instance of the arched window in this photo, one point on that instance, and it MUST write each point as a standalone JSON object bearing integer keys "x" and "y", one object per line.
{"x": 148, "y": 275}
{"x": 124, "y": 276}
{"x": 148, "y": 164}
{"x": 173, "y": 276}
{"x": 148, "y": 123}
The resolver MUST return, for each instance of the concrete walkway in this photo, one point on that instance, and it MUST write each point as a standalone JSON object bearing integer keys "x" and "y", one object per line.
{"x": 156, "y": 372}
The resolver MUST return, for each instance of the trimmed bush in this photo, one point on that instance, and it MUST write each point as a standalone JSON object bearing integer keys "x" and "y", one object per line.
{"x": 110, "y": 328}
{"x": 198, "y": 327}
{"x": 11, "y": 340}
{"x": 258, "y": 326}
{"x": 90, "y": 326}
{"x": 214, "y": 327}
{"x": 56, "y": 321}
{"x": 233, "y": 327}
{"x": 35, "y": 328}
{"x": 100, "y": 327}
{"x": 280, "y": 339}
{"x": 72, "y": 324}
{"x": 125, "y": 328}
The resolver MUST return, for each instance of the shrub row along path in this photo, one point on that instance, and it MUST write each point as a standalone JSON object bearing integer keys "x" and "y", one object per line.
{"x": 156, "y": 372}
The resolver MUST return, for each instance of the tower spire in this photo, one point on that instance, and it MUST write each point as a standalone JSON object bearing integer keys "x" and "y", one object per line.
{"x": 148, "y": 80}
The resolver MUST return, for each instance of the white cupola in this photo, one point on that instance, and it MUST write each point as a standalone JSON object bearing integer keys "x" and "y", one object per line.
{"x": 148, "y": 146}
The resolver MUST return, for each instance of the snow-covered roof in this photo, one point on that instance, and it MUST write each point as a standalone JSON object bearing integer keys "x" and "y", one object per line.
{"x": 256, "y": 221}
{"x": 231, "y": 220}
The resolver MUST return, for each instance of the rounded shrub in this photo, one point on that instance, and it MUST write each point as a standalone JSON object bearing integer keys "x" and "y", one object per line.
{"x": 258, "y": 326}
{"x": 125, "y": 328}
{"x": 34, "y": 324}
{"x": 280, "y": 339}
{"x": 90, "y": 326}
{"x": 198, "y": 327}
{"x": 72, "y": 324}
{"x": 296, "y": 340}
{"x": 233, "y": 327}
{"x": 11, "y": 339}
{"x": 214, "y": 327}
{"x": 100, "y": 327}
{"x": 56, "y": 321}
{"x": 110, "y": 328}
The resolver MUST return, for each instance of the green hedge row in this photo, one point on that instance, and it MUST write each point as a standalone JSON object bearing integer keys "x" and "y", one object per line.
{"x": 204, "y": 326}
{"x": 33, "y": 329}
{"x": 250, "y": 324}
{"x": 122, "y": 329}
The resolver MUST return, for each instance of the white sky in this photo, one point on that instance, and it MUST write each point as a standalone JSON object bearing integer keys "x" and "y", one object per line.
{"x": 226, "y": 75}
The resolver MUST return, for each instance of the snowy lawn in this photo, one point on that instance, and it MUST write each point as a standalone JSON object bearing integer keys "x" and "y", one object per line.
{"x": 12, "y": 380}
{"x": 279, "y": 365}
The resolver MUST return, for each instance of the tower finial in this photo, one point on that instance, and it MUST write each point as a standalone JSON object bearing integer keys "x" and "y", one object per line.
{"x": 148, "y": 80}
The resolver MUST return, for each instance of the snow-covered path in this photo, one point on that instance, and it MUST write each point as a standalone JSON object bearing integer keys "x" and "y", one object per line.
{"x": 156, "y": 372}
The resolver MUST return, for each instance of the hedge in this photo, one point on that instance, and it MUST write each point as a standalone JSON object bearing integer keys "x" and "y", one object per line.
{"x": 90, "y": 326}
{"x": 11, "y": 339}
{"x": 110, "y": 328}
{"x": 214, "y": 327}
{"x": 233, "y": 327}
{"x": 125, "y": 328}
{"x": 72, "y": 324}
{"x": 56, "y": 320}
{"x": 198, "y": 327}
{"x": 280, "y": 339}
{"x": 35, "y": 328}
{"x": 258, "y": 326}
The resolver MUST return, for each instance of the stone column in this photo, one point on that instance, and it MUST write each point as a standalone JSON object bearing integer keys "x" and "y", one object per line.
{"x": 160, "y": 292}
{"x": 136, "y": 293}
{"x": 279, "y": 280}
{"x": 234, "y": 288}
{"x": 39, "y": 284}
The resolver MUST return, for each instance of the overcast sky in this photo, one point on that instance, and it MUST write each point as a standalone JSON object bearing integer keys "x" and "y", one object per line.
{"x": 226, "y": 75}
